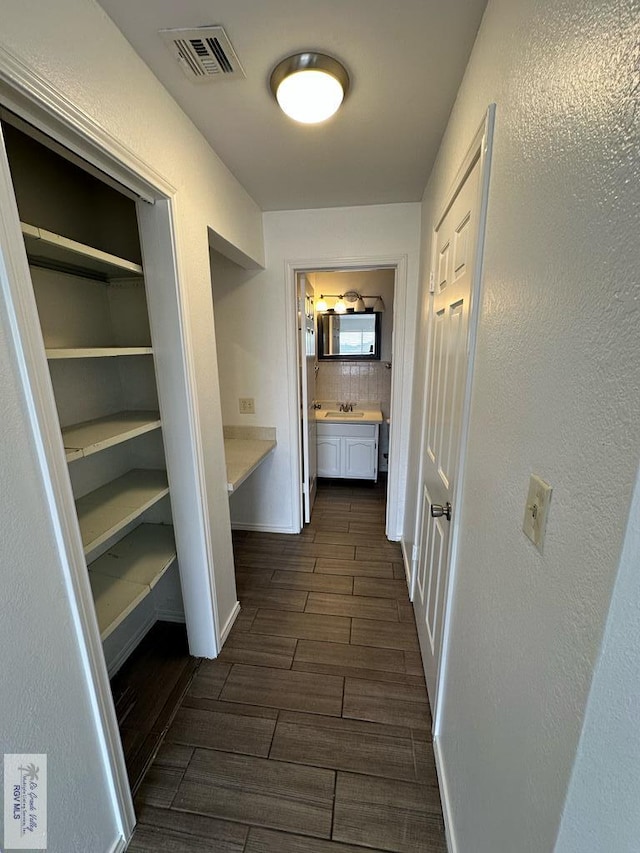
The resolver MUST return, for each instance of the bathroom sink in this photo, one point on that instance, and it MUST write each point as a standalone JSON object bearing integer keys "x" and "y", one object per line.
{"x": 348, "y": 415}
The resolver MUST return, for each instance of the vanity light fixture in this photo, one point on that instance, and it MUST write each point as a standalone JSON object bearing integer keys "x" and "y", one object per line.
{"x": 309, "y": 86}
{"x": 350, "y": 296}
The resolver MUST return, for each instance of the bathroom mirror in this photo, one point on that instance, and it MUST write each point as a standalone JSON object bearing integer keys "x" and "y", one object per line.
{"x": 349, "y": 337}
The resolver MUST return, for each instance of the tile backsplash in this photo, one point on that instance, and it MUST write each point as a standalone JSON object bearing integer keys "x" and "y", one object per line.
{"x": 355, "y": 382}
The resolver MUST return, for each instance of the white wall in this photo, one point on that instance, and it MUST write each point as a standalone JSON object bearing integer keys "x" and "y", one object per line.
{"x": 263, "y": 307}
{"x": 601, "y": 811}
{"x": 77, "y": 49}
{"x": 557, "y": 373}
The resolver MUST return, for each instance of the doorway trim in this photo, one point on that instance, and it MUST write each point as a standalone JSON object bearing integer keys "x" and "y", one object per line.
{"x": 32, "y": 99}
{"x": 480, "y": 150}
{"x": 397, "y": 438}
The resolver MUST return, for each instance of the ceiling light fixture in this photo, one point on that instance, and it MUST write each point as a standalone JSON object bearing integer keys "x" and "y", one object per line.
{"x": 309, "y": 86}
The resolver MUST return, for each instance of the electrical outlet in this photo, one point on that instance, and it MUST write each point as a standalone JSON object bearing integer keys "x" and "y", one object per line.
{"x": 247, "y": 406}
{"x": 536, "y": 510}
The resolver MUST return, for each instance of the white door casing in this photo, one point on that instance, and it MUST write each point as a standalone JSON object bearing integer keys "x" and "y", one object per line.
{"x": 455, "y": 276}
{"x": 307, "y": 362}
{"x": 399, "y": 385}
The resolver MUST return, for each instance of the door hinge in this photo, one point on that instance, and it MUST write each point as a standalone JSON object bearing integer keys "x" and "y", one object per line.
{"x": 432, "y": 282}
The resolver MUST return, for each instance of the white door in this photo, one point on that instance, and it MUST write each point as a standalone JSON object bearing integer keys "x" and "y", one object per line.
{"x": 307, "y": 371}
{"x": 452, "y": 270}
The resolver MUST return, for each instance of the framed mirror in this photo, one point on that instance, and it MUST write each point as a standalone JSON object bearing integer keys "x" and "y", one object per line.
{"x": 349, "y": 337}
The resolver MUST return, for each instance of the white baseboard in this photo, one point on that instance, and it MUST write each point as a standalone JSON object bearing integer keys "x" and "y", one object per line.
{"x": 407, "y": 563}
{"x": 119, "y": 846}
{"x": 263, "y": 528}
{"x": 229, "y": 623}
{"x": 447, "y": 812}
{"x": 167, "y": 614}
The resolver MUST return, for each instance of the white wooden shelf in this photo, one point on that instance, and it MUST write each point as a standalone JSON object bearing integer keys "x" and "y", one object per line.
{"x": 93, "y": 436}
{"x": 127, "y": 573}
{"x": 45, "y": 248}
{"x": 105, "y": 511}
{"x": 96, "y": 352}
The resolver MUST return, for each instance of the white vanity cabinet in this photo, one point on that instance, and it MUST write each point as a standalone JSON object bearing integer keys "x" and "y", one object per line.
{"x": 348, "y": 450}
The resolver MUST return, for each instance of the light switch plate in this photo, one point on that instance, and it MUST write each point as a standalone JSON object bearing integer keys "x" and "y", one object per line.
{"x": 247, "y": 405}
{"x": 536, "y": 510}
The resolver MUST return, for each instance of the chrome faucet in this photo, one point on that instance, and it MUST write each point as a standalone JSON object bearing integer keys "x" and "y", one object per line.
{"x": 346, "y": 407}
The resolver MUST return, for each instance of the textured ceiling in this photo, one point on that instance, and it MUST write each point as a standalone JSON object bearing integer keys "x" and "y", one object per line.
{"x": 406, "y": 61}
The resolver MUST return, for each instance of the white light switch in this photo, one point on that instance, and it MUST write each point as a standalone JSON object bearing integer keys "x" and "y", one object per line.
{"x": 536, "y": 510}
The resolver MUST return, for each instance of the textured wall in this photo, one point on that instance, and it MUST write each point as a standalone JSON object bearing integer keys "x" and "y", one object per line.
{"x": 601, "y": 812}
{"x": 556, "y": 393}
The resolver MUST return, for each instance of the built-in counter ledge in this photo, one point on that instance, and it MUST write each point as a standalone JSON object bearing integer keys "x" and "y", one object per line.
{"x": 245, "y": 448}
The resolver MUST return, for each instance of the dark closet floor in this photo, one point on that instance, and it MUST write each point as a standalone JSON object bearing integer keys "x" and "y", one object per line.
{"x": 311, "y": 732}
{"x": 147, "y": 692}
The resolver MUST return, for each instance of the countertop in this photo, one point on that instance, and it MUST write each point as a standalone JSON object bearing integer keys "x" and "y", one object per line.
{"x": 245, "y": 448}
{"x": 371, "y": 414}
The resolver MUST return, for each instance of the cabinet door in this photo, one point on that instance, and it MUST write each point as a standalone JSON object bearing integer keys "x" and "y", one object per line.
{"x": 329, "y": 461}
{"x": 360, "y": 458}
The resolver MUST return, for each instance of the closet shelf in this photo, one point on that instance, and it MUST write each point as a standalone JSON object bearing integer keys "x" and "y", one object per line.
{"x": 129, "y": 570}
{"x": 105, "y": 511}
{"x": 96, "y": 352}
{"x": 44, "y": 248}
{"x": 92, "y": 436}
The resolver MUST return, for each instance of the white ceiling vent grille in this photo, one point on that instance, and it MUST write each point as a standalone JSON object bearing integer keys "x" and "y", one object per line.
{"x": 204, "y": 54}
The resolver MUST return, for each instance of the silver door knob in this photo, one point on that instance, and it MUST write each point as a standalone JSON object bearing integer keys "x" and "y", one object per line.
{"x": 437, "y": 511}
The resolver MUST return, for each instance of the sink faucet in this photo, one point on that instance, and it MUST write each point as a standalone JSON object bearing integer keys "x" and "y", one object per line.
{"x": 346, "y": 407}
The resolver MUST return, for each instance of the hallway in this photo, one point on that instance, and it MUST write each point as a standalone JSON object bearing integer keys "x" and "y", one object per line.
{"x": 314, "y": 720}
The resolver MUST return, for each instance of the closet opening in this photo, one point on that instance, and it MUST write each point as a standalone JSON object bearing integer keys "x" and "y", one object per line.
{"x": 88, "y": 286}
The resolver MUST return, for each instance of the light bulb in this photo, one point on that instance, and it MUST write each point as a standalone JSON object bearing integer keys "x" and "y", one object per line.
{"x": 321, "y": 305}
{"x": 310, "y": 96}
{"x": 340, "y": 307}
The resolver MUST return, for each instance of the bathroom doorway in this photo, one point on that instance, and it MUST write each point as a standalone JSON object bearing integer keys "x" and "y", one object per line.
{"x": 381, "y": 285}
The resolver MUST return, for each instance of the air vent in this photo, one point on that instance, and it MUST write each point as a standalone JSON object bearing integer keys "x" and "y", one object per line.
{"x": 204, "y": 54}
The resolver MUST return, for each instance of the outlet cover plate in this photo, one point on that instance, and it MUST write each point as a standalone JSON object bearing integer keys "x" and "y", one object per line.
{"x": 247, "y": 405}
{"x": 536, "y": 510}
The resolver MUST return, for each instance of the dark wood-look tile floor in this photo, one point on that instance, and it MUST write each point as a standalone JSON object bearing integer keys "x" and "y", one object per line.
{"x": 311, "y": 732}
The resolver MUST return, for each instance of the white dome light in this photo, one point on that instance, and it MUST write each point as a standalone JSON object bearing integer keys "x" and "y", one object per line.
{"x": 310, "y": 96}
{"x": 309, "y": 86}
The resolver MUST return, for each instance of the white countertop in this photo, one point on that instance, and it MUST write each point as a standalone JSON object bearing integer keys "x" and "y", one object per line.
{"x": 363, "y": 413}
{"x": 245, "y": 448}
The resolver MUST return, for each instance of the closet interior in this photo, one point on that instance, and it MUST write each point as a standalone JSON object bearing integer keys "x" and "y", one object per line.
{"x": 81, "y": 237}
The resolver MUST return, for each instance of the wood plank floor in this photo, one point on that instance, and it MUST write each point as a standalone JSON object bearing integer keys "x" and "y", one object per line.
{"x": 311, "y": 732}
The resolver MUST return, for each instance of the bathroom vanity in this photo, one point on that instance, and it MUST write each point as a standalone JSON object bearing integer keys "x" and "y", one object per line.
{"x": 347, "y": 442}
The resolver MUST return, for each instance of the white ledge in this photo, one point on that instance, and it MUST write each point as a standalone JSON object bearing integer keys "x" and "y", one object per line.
{"x": 245, "y": 448}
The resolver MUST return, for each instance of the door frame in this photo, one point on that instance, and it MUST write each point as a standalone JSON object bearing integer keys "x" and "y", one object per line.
{"x": 35, "y": 101}
{"x": 399, "y": 263}
{"x": 480, "y": 151}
